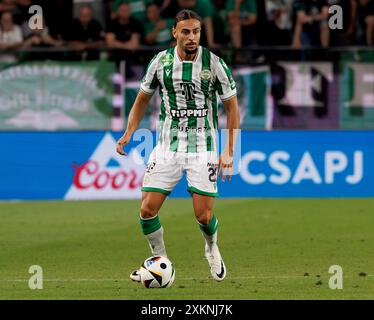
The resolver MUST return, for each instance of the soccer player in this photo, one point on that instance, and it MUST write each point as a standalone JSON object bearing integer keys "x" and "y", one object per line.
{"x": 188, "y": 77}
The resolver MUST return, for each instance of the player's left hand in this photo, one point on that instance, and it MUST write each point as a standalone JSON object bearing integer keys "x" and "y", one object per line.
{"x": 225, "y": 164}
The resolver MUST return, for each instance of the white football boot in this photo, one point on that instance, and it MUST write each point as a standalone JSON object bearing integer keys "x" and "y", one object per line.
{"x": 217, "y": 266}
{"x": 135, "y": 276}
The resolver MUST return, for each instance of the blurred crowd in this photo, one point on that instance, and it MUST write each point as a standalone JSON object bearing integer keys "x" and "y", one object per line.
{"x": 130, "y": 24}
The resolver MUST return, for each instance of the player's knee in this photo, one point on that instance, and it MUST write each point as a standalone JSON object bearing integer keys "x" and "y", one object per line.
{"x": 147, "y": 211}
{"x": 204, "y": 216}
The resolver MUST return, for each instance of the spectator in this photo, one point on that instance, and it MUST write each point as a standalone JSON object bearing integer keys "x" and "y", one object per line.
{"x": 279, "y": 21}
{"x": 205, "y": 10}
{"x": 39, "y": 38}
{"x": 58, "y": 15}
{"x": 86, "y": 33}
{"x": 220, "y": 27}
{"x": 365, "y": 14}
{"x": 242, "y": 15}
{"x": 157, "y": 29}
{"x": 124, "y": 32}
{"x": 138, "y": 9}
{"x": 35, "y": 38}
{"x": 10, "y": 36}
{"x": 345, "y": 36}
{"x": 10, "y": 33}
{"x": 123, "y": 36}
{"x": 311, "y": 26}
{"x": 21, "y": 12}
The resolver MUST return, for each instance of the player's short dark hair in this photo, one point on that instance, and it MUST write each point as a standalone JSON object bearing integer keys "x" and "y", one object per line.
{"x": 185, "y": 15}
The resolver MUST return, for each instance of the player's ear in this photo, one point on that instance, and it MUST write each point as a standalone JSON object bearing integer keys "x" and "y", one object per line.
{"x": 174, "y": 33}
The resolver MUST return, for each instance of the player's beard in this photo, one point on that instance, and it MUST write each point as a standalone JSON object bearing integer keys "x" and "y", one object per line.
{"x": 189, "y": 52}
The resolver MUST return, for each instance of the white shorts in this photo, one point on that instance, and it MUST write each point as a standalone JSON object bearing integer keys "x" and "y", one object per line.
{"x": 165, "y": 169}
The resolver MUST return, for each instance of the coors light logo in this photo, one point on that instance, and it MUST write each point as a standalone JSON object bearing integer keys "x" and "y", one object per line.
{"x": 107, "y": 175}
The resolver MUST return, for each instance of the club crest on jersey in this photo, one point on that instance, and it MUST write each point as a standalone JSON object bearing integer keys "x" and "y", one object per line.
{"x": 205, "y": 74}
{"x": 167, "y": 60}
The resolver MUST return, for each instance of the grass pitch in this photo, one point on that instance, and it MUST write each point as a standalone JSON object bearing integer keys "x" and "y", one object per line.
{"x": 273, "y": 249}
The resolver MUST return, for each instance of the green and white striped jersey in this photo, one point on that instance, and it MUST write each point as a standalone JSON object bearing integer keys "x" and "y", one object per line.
{"x": 188, "y": 113}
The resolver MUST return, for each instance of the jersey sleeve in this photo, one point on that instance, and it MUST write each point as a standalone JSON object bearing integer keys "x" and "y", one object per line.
{"x": 224, "y": 83}
{"x": 150, "y": 81}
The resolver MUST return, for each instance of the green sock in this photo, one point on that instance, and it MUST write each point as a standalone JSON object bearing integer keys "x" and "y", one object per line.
{"x": 210, "y": 228}
{"x": 150, "y": 225}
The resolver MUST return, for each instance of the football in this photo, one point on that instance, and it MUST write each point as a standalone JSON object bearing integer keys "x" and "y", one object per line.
{"x": 157, "y": 272}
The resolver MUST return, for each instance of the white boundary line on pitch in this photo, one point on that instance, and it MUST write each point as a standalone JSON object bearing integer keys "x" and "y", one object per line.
{"x": 181, "y": 278}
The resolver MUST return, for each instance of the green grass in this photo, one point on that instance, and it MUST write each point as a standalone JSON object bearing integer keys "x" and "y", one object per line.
{"x": 273, "y": 249}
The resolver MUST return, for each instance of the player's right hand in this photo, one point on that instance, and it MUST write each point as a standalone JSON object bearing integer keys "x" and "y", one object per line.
{"x": 120, "y": 144}
{"x": 225, "y": 164}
